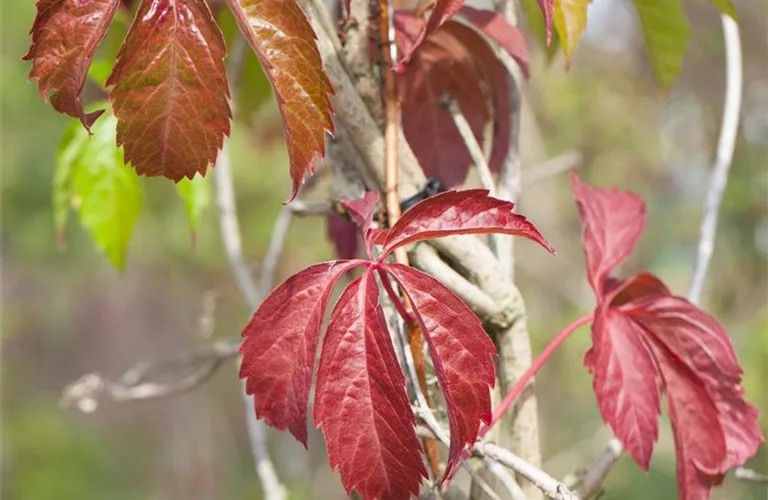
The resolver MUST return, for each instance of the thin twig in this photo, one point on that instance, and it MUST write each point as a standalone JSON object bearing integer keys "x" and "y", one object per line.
{"x": 750, "y": 476}
{"x": 86, "y": 392}
{"x": 230, "y": 235}
{"x": 475, "y": 151}
{"x": 551, "y": 167}
{"x": 597, "y": 472}
{"x": 505, "y": 478}
{"x": 724, "y": 156}
{"x": 548, "y": 485}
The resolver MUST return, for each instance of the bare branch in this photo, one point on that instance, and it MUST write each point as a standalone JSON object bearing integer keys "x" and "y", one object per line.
{"x": 548, "y": 485}
{"x": 551, "y": 167}
{"x": 589, "y": 482}
{"x": 230, "y": 235}
{"x": 726, "y": 145}
{"x": 505, "y": 478}
{"x": 475, "y": 151}
{"x": 750, "y": 476}
{"x": 86, "y": 392}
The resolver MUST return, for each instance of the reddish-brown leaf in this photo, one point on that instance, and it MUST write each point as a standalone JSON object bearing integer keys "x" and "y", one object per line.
{"x": 280, "y": 342}
{"x": 65, "y": 37}
{"x": 461, "y": 350}
{"x": 647, "y": 340}
{"x": 361, "y": 403}
{"x": 454, "y": 61}
{"x": 170, "y": 91}
{"x": 284, "y": 41}
{"x": 470, "y": 211}
{"x": 496, "y": 27}
{"x": 441, "y": 12}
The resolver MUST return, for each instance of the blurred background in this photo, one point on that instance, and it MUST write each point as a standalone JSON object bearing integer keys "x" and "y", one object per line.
{"x": 68, "y": 312}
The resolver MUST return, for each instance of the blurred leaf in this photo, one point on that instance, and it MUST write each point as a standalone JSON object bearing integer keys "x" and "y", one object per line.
{"x": 535, "y": 22}
{"x": 91, "y": 176}
{"x": 196, "y": 195}
{"x": 666, "y": 32}
{"x": 570, "y": 21}
{"x": 725, "y": 6}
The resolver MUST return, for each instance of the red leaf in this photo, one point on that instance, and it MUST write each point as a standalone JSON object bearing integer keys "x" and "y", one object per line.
{"x": 498, "y": 29}
{"x": 284, "y": 41}
{"x": 280, "y": 342}
{"x": 455, "y": 61}
{"x": 612, "y": 223}
{"x": 361, "y": 211}
{"x": 626, "y": 383}
{"x": 361, "y": 403}
{"x": 470, "y": 211}
{"x": 170, "y": 90}
{"x": 647, "y": 340}
{"x": 441, "y": 12}
{"x": 65, "y": 36}
{"x": 461, "y": 350}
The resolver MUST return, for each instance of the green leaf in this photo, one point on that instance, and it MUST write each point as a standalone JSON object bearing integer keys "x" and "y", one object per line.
{"x": 71, "y": 145}
{"x": 726, "y": 7}
{"x": 196, "y": 195}
{"x": 92, "y": 177}
{"x": 666, "y": 31}
{"x": 570, "y": 22}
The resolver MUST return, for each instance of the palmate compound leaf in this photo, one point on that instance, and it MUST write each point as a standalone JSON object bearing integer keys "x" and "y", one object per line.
{"x": 360, "y": 399}
{"x": 456, "y": 61}
{"x": 65, "y": 37}
{"x": 645, "y": 341}
{"x": 170, "y": 91}
{"x": 284, "y": 42}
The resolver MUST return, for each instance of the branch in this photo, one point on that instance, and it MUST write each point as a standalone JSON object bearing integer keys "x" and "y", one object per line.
{"x": 475, "y": 151}
{"x": 548, "y": 485}
{"x": 230, "y": 235}
{"x": 726, "y": 145}
{"x": 86, "y": 392}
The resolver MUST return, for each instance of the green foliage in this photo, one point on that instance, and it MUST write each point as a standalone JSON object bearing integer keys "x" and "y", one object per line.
{"x": 195, "y": 195}
{"x": 666, "y": 31}
{"x": 92, "y": 178}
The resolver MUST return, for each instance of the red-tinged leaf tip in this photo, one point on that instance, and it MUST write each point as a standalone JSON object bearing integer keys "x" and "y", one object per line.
{"x": 170, "y": 91}
{"x": 279, "y": 345}
{"x": 280, "y": 34}
{"x": 441, "y": 12}
{"x": 65, "y": 37}
{"x": 469, "y": 211}
{"x": 361, "y": 210}
{"x": 496, "y": 27}
{"x": 548, "y": 10}
{"x": 461, "y": 350}
{"x": 360, "y": 401}
{"x": 612, "y": 222}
